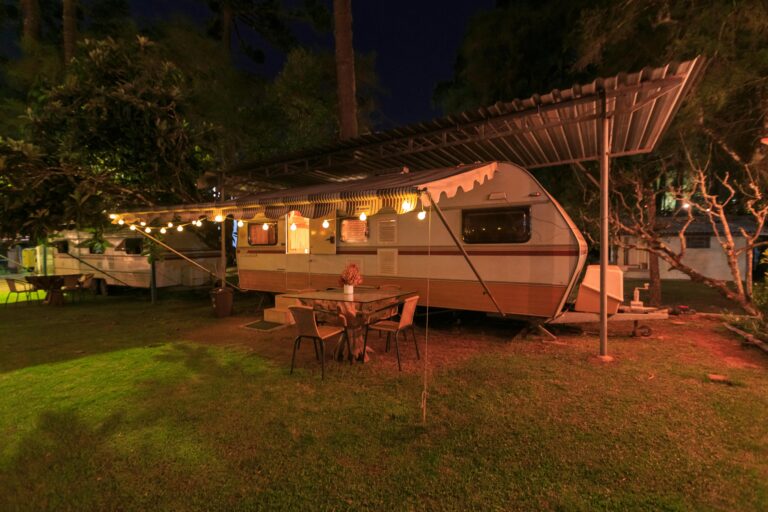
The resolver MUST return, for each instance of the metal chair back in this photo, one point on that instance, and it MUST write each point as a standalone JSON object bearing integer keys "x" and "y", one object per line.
{"x": 409, "y": 308}
{"x": 304, "y": 316}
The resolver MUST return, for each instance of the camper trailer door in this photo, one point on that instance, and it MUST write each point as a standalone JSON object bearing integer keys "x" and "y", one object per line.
{"x": 322, "y": 239}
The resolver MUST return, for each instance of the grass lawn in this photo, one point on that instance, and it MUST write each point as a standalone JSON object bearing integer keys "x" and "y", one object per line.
{"x": 112, "y": 404}
{"x": 676, "y": 292}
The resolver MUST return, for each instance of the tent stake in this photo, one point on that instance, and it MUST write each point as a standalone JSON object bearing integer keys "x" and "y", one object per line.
{"x": 463, "y": 251}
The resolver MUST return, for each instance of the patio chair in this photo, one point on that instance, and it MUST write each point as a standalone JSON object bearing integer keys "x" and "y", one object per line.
{"x": 85, "y": 283}
{"x": 308, "y": 328}
{"x": 391, "y": 327}
{"x": 71, "y": 285}
{"x": 17, "y": 288}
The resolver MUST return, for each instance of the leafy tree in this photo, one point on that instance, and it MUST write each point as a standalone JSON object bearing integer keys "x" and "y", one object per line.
{"x": 113, "y": 133}
{"x": 712, "y": 157}
{"x": 515, "y": 50}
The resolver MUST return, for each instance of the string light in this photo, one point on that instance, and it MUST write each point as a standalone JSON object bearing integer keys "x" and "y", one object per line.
{"x": 326, "y": 224}
{"x": 218, "y": 218}
{"x": 363, "y": 216}
{"x": 293, "y": 226}
{"x": 686, "y": 205}
{"x": 170, "y": 224}
{"x": 133, "y": 227}
{"x": 240, "y": 223}
{"x": 148, "y": 230}
{"x": 265, "y": 226}
{"x": 422, "y": 215}
{"x": 179, "y": 228}
{"x": 143, "y": 223}
{"x": 113, "y": 216}
{"x": 162, "y": 230}
{"x": 121, "y": 222}
{"x": 406, "y": 206}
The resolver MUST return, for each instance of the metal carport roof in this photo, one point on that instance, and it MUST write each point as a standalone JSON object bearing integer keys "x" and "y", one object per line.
{"x": 557, "y": 128}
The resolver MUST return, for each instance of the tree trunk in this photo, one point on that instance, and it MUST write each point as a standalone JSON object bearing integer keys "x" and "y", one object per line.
{"x": 69, "y": 24}
{"x": 345, "y": 68}
{"x": 721, "y": 286}
{"x": 654, "y": 275}
{"x": 227, "y": 18}
{"x": 30, "y": 10}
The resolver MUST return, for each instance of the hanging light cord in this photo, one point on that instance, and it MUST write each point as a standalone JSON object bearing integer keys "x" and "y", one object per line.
{"x": 425, "y": 389}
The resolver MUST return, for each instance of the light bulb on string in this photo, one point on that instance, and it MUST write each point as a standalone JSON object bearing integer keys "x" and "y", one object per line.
{"x": 143, "y": 223}
{"x": 240, "y": 223}
{"x": 121, "y": 222}
{"x": 179, "y": 228}
{"x": 265, "y": 226}
{"x": 363, "y": 216}
{"x": 326, "y": 224}
{"x": 148, "y": 230}
{"x": 170, "y": 224}
{"x": 422, "y": 215}
{"x": 218, "y": 218}
{"x": 113, "y": 216}
{"x": 162, "y": 230}
{"x": 293, "y": 226}
{"x": 133, "y": 227}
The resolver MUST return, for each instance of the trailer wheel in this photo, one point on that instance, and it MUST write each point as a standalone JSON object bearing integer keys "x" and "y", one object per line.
{"x": 643, "y": 331}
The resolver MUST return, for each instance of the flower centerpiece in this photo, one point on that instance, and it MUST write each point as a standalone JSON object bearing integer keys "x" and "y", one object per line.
{"x": 350, "y": 278}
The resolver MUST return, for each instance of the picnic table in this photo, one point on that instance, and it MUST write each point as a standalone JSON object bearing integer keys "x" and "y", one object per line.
{"x": 358, "y": 310}
{"x": 52, "y": 285}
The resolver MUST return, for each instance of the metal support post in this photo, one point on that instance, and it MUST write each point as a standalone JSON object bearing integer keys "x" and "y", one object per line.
{"x": 605, "y": 149}
{"x": 223, "y": 227}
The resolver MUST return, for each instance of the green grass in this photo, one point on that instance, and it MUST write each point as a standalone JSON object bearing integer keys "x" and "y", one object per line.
{"x": 676, "y": 292}
{"x": 106, "y": 406}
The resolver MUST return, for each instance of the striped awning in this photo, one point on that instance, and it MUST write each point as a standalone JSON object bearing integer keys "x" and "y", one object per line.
{"x": 397, "y": 192}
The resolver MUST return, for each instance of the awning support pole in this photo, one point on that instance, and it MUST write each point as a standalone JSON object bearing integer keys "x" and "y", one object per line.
{"x": 463, "y": 251}
{"x": 184, "y": 257}
{"x": 605, "y": 148}
{"x": 223, "y": 227}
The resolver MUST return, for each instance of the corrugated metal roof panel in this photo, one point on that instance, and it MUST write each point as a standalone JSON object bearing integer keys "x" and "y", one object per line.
{"x": 556, "y": 128}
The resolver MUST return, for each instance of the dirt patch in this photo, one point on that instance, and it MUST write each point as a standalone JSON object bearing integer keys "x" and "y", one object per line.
{"x": 451, "y": 342}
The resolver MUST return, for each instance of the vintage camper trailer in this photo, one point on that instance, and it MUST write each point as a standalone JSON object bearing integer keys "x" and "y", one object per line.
{"x": 123, "y": 264}
{"x": 523, "y": 244}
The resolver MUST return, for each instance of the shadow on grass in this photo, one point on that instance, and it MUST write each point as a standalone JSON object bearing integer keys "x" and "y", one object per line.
{"x": 62, "y": 464}
{"x": 33, "y": 335}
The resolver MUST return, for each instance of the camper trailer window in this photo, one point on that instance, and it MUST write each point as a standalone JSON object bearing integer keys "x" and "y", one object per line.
{"x": 257, "y": 235}
{"x": 62, "y": 246}
{"x": 133, "y": 245}
{"x": 354, "y": 231}
{"x": 496, "y": 225}
{"x": 697, "y": 241}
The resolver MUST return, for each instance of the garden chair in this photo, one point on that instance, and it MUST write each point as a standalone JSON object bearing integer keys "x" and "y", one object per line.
{"x": 17, "y": 288}
{"x": 71, "y": 285}
{"x": 85, "y": 283}
{"x": 388, "y": 314}
{"x": 396, "y": 327}
{"x": 304, "y": 316}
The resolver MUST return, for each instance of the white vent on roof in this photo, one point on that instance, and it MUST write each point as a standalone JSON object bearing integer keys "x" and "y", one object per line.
{"x": 388, "y": 231}
{"x": 387, "y": 262}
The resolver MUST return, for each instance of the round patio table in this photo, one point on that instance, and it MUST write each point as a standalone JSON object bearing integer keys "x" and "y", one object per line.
{"x": 52, "y": 287}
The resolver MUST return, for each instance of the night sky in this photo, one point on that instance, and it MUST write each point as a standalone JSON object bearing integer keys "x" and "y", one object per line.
{"x": 415, "y": 41}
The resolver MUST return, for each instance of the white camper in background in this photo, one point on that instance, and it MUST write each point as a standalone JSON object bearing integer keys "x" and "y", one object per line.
{"x": 123, "y": 263}
{"x": 524, "y": 245}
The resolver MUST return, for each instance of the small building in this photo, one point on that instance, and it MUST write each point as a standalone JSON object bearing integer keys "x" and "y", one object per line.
{"x": 703, "y": 251}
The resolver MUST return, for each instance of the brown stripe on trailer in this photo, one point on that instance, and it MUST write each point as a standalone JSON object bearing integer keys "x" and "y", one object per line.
{"x": 523, "y": 299}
